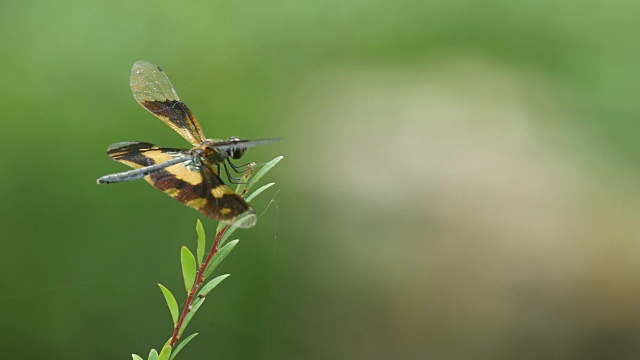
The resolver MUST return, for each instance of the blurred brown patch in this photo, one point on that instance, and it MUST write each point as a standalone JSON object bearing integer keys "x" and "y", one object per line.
{"x": 461, "y": 199}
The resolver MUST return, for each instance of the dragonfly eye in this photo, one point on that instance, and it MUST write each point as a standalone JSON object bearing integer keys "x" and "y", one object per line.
{"x": 237, "y": 151}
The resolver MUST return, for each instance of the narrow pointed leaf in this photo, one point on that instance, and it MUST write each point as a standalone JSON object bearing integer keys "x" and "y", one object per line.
{"x": 221, "y": 224}
{"x": 153, "y": 355}
{"x": 243, "y": 185}
{"x": 244, "y": 180}
{"x": 265, "y": 169}
{"x": 257, "y": 192}
{"x": 228, "y": 234}
{"x": 211, "y": 284}
{"x": 182, "y": 344}
{"x": 167, "y": 342}
{"x": 201, "y": 242}
{"x": 165, "y": 353}
{"x": 188, "y": 267}
{"x": 219, "y": 256}
{"x": 171, "y": 303}
{"x": 196, "y": 305}
{"x": 136, "y": 357}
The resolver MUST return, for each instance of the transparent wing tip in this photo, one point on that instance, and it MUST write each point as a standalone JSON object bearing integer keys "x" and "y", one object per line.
{"x": 246, "y": 220}
{"x": 143, "y": 64}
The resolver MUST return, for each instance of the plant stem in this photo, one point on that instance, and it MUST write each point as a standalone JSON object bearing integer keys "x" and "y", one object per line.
{"x": 196, "y": 285}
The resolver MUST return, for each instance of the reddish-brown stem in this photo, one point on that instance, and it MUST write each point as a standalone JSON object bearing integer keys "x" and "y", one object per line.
{"x": 203, "y": 267}
{"x": 196, "y": 285}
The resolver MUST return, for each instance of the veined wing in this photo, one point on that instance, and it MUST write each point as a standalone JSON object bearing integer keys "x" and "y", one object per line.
{"x": 144, "y": 157}
{"x": 195, "y": 185}
{"x": 201, "y": 188}
{"x": 153, "y": 90}
{"x": 230, "y": 144}
{"x": 138, "y": 154}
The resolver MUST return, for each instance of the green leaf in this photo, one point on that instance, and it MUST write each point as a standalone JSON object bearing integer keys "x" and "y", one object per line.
{"x": 221, "y": 224}
{"x": 136, "y": 357}
{"x": 243, "y": 185}
{"x": 165, "y": 353}
{"x": 171, "y": 303}
{"x": 211, "y": 284}
{"x": 219, "y": 256}
{"x": 182, "y": 344}
{"x": 257, "y": 192}
{"x": 168, "y": 341}
{"x": 265, "y": 169}
{"x": 228, "y": 234}
{"x": 196, "y": 305}
{"x": 153, "y": 355}
{"x": 188, "y": 267}
{"x": 201, "y": 241}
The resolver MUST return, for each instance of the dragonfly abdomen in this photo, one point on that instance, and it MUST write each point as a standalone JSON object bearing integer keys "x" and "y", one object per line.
{"x": 141, "y": 172}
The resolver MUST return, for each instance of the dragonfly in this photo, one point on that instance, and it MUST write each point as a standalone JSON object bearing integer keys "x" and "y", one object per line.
{"x": 191, "y": 176}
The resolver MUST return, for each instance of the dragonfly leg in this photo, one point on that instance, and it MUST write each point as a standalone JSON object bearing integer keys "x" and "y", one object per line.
{"x": 231, "y": 178}
{"x": 238, "y": 168}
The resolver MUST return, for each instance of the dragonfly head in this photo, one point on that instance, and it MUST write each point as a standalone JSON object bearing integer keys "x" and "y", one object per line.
{"x": 237, "y": 151}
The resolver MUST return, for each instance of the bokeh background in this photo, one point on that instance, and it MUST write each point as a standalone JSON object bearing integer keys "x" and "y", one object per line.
{"x": 459, "y": 178}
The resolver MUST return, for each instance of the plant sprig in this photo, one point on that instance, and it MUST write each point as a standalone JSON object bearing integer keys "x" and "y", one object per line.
{"x": 196, "y": 269}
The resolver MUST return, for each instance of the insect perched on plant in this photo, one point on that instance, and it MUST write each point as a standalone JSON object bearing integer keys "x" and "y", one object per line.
{"x": 189, "y": 176}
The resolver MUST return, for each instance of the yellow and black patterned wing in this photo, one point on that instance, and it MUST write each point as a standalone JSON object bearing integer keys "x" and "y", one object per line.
{"x": 201, "y": 188}
{"x": 195, "y": 185}
{"x": 139, "y": 154}
{"x": 153, "y": 90}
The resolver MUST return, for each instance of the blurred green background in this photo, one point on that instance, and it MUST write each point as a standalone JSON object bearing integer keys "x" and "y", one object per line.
{"x": 458, "y": 181}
